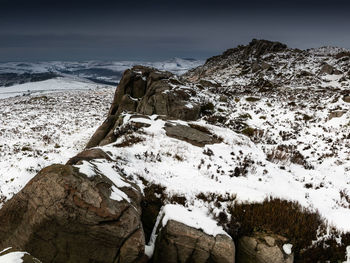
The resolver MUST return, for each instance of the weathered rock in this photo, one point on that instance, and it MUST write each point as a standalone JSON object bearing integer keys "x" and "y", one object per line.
{"x": 10, "y": 255}
{"x": 328, "y": 69}
{"x": 102, "y": 131}
{"x": 336, "y": 114}
{"x": 88, "y": 155}
{"x": 208, "y": 84}
{"x": 346, "y": 99}
{"x": 262, "y": 249}
{"x": 127, "y": 103}
{"x": 62, "y": 215}
{"x": 133, "y": 83}
{"x": 190, "y": 135}
{"x": 162, "y": 99}
{"x": 179, "y": 243}
{"x": 342, "y": 54}
{"x": 263, "y": 85}
{"x": 265, "y": 66}
{"x": 255, "y": 67}
{"x": 259, "y": 47}
{"x": 147, "y": 91}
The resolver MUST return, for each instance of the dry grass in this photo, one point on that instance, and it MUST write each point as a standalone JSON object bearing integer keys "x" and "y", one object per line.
{"x": 288, "y": 219}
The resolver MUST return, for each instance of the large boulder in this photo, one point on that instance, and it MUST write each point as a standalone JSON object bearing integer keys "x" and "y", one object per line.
{"x": 179, "y": 243}
{"x": 190, "y": 236}
{"x": 330, "y": 70}
{"x": 195, "y": 135}
{"x": 75, "y": 214}
{"x": 346, "y": 99}
{"x": 163, "y": 99}
{"x": 263, "y": 248}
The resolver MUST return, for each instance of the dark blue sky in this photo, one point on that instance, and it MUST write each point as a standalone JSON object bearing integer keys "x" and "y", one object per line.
{"x": 156, "y": 30}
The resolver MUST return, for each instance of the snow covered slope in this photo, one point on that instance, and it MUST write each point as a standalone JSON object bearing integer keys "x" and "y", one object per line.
{"x": 47, "y": 86}
{"x": 36, "y": 131}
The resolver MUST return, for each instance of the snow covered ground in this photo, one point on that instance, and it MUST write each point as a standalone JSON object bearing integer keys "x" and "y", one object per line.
{"x": 188, "y": 170}
{"x": 46, "y": 86}
{"x": 36, "y": 131}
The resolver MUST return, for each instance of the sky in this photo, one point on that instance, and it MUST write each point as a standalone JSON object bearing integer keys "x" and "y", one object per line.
{"x": 37, "y": 30}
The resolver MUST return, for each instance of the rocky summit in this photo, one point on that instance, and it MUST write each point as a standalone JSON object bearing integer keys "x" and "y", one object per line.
{"x": 245, "y": 158}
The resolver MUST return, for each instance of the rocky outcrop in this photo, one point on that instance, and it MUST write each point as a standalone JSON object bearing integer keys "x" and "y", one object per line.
{"x": 147, "y": 91}
{"x": 89, "y": 155}
{"x": 262, "y": 248}
{"x": 336, "y": 114}
{"x": 102, "y": 131}
{"x": 62, "y": 215}
{"x": 259, "y": 47}
{"x": 328, "y": 69}
{"x": 346, "y": 99}
{"x": 164, "y": 99}
{"x": 179, "y": 243}
{"x": 190, "y": 134}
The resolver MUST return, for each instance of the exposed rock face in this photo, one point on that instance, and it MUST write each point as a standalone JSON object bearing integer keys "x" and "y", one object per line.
{"x": 261, "y": 47}
{"x": 189, "y": 134}
{"x": 102, "y": 131}
{"x": 88, "y": 155}
{"x": 179, "y": 243}
{"x": 162, "y": 99}
{"x": 328, "y": 69}
{"x": 346, "y": 99}
{"x": 147, "y": 91}
{"x": 262, "y": 249}
{"x": 62, "y": 215}
{"x": 336, "y": 114}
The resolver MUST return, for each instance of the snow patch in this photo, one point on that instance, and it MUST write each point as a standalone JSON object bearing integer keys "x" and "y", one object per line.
{"x": 12, "y": 257}
{"x": 287, "y": 248}
{"x": 196, "y": 218}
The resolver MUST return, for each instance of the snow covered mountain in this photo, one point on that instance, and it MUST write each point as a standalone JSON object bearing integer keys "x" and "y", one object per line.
{"x": 249, "y": 152}
{"x": 105, "y": 72}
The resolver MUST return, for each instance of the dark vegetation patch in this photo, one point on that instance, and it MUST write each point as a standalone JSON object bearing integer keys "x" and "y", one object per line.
{"x": 286, "y": 218}
{"x": 345, "y": 197}
{"x": 129, "y": 128}
{"x": 254, "y": 134}
{"x": 207, "y": 108}
{"x": 149, "y": 157}
{"x": 248, "y": 131}
{"x": 252, "y": 99}
{"x": 215, "y": 119}
{"x": 284, "y": 153}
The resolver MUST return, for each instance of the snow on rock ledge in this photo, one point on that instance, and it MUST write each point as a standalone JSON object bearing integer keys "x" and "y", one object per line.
{"x": 190, "y": 236}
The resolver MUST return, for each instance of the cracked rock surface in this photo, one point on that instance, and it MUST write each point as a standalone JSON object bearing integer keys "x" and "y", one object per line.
{"x": 262, "y": 248}
{"x": 62, "y": 215}
{"x": 179, "y": 243}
